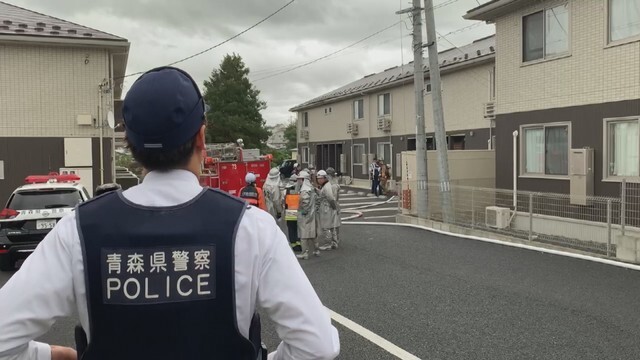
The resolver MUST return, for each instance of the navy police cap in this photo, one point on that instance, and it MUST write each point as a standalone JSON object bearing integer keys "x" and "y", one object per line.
{"x": 163, "y": 109}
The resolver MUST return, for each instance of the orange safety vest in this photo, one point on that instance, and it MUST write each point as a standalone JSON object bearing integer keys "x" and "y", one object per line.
{"x": 291, "y": 204}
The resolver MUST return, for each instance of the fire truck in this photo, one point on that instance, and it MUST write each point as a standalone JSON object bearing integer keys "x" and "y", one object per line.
{"x": 226, "y": 164}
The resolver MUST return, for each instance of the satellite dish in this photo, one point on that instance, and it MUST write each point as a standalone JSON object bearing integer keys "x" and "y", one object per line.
{"x": 111, "y": 120}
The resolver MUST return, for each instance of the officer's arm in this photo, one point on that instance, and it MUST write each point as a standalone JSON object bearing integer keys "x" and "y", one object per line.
{"x": 38, "y": 294}
{"x": 284, "y": 292}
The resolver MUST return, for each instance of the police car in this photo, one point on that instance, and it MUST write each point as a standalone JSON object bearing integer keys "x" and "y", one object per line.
{"x": 32, "y": 211}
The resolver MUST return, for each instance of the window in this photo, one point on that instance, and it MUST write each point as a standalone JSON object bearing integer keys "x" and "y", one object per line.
{"x": 327, "y": 110}
{"x": 358, "y": 151}
{"x": 384, "y": 104}
{"x": 411, "y": 144}
{"x": 384, "y": 152}
{"x": 624, "y": 19}
{"x": 457, "y": 142}
{"x": 622, "y": 146}
{"x": 305, "y": 155}
{"x": 45, "y": 199}
{"x": 305, "y": 119}
{"x": 427, "y": 88}
{"x": 358, "y": 109}
{"x": 545, "y": 33}
{"x": 545, "y": 150}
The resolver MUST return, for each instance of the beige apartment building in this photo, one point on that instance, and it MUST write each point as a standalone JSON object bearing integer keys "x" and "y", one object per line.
{"x": 375, "y": 116}
{"x": 58, "y": 82}
{"x": 567, "y": 78}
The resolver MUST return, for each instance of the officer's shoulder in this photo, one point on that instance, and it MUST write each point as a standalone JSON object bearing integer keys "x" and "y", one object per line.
{"x": 98, "y": 199}
{"x": 221, "y": 195}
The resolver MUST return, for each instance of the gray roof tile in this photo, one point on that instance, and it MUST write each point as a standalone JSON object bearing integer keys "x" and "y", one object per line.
{"x": 479, "y": 48}
{"x": 15, "y": 20}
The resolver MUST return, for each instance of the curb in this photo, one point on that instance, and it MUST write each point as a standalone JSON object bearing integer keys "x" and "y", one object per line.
{"x": 505, "y": 243}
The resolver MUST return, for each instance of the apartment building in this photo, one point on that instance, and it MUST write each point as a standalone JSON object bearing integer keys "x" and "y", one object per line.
{"x": 58, "y": 82}
{"x": 375, "y": 116}
{"x": 567, "y": 78}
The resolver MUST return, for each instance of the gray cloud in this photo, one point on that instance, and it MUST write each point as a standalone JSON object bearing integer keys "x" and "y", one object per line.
{"x": 162, "y": 31}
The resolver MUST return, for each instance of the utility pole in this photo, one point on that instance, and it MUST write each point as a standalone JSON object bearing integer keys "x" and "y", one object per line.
{"x": 438, "y": 113}
{"x": 421, "y": 138}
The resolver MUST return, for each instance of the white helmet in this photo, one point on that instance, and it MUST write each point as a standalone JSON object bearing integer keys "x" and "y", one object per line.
{"x": 321, "y": 173}
{"x": 250, "y": 178}
{"x": 293, "y": 178}
{"x": 274, "y": 173}
{"x": 303, "y": 175}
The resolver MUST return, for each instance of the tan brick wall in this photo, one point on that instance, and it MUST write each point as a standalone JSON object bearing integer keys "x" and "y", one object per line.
{"x": 464, "y": 93}
{"x": 594, "y": 71}
{"x": 44, "y": 88}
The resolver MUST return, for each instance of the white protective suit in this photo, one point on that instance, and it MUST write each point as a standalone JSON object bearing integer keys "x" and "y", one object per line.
{"x": 307, "y": 218}
{"x": 273, "y": 193}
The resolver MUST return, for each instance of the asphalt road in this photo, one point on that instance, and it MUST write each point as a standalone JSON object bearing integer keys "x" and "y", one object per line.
{"x": 368, "y": 208}
{"x": 441, "y": 297}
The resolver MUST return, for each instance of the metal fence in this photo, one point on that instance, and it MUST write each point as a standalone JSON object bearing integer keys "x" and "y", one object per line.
{"x": 588, "y": 224}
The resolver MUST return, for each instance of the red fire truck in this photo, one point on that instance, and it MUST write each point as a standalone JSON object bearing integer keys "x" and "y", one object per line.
{"x": 225, "y": 166}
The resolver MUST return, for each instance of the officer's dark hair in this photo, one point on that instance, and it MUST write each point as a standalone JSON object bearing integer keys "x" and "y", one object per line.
{"x": 159, "y": 160}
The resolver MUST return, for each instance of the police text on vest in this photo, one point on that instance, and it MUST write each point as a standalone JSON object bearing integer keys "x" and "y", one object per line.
{"x": 158, "y": 275}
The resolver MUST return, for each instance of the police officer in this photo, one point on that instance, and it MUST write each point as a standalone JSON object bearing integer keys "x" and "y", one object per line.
{"x": 104, "y": 188}
{"x": 166, "y": 269}
{"x": 252, "y": 193}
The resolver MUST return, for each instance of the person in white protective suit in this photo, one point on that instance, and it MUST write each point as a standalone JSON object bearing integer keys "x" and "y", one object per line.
{"x": 337, "y": 221}
{"x": 272, "y": 189}
{"x": 307, "y": 218}
{"x": 327, "y": 207}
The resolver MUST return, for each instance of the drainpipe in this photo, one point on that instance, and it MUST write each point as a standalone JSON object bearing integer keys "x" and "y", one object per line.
{"x": 515, "y": 170}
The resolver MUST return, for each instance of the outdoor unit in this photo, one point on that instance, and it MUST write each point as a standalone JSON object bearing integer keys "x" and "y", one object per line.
{"x": 497, "y": 217}
{"x": 384, "y": 123}
{"x": 581, "y": 176}
{"x": 304, "y": 134}
{"x": 489, "y": 111}
{"x": 352, "y": 129}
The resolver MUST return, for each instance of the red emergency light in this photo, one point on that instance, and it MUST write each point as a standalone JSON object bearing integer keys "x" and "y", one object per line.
{"x": 52, "y": 177}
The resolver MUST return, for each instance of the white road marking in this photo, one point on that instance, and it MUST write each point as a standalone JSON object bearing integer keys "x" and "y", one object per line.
{"x": 365, "y": 203}
{"x": 380, "y": 217}
{"x": 373, "y": 337}
{"x": 358, "y": 198}
{"x": 378, "y": 209}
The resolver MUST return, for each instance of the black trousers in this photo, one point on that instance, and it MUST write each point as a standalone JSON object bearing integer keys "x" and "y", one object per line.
{"x": 292, "y": 229}
{"x": 375, "y": 187}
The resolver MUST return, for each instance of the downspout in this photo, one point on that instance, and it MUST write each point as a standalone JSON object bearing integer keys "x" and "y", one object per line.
{"x": 515, "y": 175}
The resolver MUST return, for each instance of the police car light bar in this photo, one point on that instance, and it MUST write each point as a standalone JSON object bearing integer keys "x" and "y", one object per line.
{"x": 53, "y": 177}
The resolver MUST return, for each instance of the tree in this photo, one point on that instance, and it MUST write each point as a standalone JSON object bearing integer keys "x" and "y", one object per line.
{"x": 291, "y": 134}
{"x": 235, "y": 105}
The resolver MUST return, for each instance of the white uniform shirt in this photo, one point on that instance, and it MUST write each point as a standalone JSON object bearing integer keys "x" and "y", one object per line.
{"x": 51, "y": 284}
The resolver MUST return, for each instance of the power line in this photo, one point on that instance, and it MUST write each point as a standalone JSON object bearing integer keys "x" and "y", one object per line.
{"x": 329, "y": 55}
{"x": 223, "y": 42}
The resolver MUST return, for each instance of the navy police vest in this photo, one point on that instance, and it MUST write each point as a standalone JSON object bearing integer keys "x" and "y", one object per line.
{"x": 250, "y": 193}
{"x": 160, "y": 281}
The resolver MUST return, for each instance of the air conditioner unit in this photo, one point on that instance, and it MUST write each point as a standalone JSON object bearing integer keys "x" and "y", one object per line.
{"x": 354, "y": 129}
{"x": 489, "y": 111}
{"x": 384, "y": 123}
{"x": 304, "y": 134}
{"x": 497, "y": 217}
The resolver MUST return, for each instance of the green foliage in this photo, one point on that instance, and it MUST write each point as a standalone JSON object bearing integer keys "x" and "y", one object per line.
{"x": 126, "y": 160}
{"x": 235, "y": 106}
{"x": 291, "y": 135}
{"x": 279, "y": 156}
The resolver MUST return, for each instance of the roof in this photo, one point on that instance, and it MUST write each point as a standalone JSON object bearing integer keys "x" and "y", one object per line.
{"x": 491, "y": 10}
{"x": 15, "y": 20}
{"x": 482, "y": 49}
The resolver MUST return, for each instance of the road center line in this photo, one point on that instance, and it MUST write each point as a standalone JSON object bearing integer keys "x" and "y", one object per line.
{"x": 373, "y": 337}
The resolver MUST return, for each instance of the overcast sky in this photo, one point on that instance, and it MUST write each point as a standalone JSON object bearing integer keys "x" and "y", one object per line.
{"x": 163, "y": 31}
